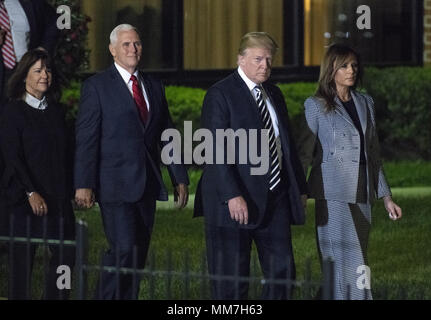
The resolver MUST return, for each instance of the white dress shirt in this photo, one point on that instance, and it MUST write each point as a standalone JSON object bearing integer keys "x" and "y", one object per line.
{"x": 126, "y": 77}
{"x": 35, "y": 102}
{"x": 251, "y": 85}
{"x": 20, "y": 27}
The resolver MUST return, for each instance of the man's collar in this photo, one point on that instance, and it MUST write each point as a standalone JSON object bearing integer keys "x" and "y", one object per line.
{"x": 125, "y": 74}
{"x": 250, "y": 84}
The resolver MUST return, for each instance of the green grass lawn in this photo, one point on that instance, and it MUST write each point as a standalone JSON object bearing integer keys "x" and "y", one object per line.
{"x": 399, "y": 174}
{"x": 408, "y": 173}
{"x": 399, "y": 252}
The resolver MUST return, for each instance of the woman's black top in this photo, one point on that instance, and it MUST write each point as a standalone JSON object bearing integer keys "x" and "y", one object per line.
{"x": 353, "y": 113}
{"x": 35, "y": 147}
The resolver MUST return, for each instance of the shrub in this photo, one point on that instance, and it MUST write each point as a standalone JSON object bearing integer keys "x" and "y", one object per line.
{"x": 70, "y": 98}
{"x": 402, "y": 98}
{"x": 185, "y": 104}
{"x": 403, "y": 106}
{"x": 295, "y": 94}
{"x": 72, "y": 56}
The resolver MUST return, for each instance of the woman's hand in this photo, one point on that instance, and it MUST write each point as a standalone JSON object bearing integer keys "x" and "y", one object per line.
{"x": 394, "y": 211}
{"x": 38, "y": 204}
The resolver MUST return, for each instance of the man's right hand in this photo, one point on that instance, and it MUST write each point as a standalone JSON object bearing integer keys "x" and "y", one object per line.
{"x": 238, "y": 210}
{"x": 84, "y": 198}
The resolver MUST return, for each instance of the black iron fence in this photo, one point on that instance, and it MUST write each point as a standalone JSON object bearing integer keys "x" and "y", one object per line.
{"x": 174, "y": 282}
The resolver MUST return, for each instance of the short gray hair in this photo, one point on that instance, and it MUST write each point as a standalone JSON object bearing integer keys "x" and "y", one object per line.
{"x": 122, "y": 27}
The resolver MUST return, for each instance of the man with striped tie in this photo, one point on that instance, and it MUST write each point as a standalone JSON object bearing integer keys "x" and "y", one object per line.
{"x": 240, "y": 207}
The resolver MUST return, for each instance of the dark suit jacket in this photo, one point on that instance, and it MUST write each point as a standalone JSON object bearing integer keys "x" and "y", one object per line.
{"x": 42, "y": 19}
{"x": 230, "y": 104}
{"x": 114, "y": 151}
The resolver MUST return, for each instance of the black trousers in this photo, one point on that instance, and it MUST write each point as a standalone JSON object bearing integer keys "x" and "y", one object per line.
{"x": 4, "y": 216}
{"x": 58, "y": 224}
{"x": 229, "y": 250}
{"x": 128, "y": 228}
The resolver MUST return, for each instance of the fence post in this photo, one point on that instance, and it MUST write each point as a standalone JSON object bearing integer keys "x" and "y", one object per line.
{"x": 186, "y": 275}
{"x": 307, "y": 283}
{"x": 152, "y": 274}
{"x": 205, "y": 276}
{"x": 328, "y": 279}
{"x": 81, "y": 258}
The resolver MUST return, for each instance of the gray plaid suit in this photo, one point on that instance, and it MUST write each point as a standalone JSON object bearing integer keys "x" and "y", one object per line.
{"x": 335, "y": 166}
{"x": 337, "y": 181}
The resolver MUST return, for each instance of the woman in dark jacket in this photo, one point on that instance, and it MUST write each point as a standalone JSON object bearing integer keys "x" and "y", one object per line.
{"x": 37, "y": 174}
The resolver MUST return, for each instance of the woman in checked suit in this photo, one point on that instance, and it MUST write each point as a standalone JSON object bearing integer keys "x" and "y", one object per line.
{"x": 347, "y": 173}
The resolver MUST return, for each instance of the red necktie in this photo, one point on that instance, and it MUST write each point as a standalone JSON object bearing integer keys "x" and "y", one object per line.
{"x": 8, "y": 53}
{"x": 139, "y": 99}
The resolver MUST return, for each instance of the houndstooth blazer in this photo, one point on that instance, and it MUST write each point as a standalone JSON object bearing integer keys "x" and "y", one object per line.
{"x": 336, "y": 151}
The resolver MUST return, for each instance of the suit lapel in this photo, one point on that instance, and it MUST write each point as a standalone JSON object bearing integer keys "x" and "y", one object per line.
{"x": 149, "y": 91}
{"x": 274, "y": 102}
{"x": 118, "y": 85}
{"x": 282, "y": 121}
{"x": 342, "y": 111}
{"x": 361, "y": 109}
{"x": 244, "y": 91}
{"x": 28, "y": 9}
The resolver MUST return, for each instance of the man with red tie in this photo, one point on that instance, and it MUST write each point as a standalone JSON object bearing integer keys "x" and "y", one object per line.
{"x": 122, "y": 115}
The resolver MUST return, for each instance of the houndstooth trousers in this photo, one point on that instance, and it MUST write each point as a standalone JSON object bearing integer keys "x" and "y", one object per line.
{"x": 342, "y": 235}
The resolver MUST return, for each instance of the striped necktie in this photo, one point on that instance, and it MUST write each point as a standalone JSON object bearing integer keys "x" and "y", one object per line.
{"x": 8, "y": 52}
{"x": 274, "y": 176}
{"x": 139, "y": 99}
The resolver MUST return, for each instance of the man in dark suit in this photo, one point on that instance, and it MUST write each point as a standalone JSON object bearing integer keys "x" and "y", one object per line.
{"x": 240, "y": 207}
{"x": 122, "y": 115}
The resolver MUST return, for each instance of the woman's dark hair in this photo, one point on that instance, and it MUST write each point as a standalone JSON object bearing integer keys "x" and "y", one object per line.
{"x": 334, "y": 58}
{"x": 16, "y": 83}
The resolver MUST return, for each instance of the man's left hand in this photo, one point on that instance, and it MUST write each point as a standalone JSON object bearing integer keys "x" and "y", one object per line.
{"x": 181, "y": 195}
